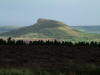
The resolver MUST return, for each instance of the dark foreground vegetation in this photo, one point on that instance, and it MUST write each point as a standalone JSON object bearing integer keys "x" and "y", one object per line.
{"x": 10, "y": 41}
{"x": 49, "y": 58}
{"x": 30, "y": 72}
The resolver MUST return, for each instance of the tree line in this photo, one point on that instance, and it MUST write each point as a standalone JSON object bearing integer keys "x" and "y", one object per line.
{"x": 11, "y": 41}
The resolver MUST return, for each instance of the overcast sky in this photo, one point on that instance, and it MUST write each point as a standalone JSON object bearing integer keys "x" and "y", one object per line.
{"x": 72, "y": 12}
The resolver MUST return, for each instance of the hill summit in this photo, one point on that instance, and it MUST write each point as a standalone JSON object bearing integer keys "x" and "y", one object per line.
{"x": 46, "y": 29}
{"x": 41, "y": 20}
{"x": 48, "y": 22}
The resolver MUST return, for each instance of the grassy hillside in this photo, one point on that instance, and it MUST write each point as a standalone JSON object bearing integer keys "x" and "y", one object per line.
{"x": 89, "y": 29}
{"x": 45, "y": 28}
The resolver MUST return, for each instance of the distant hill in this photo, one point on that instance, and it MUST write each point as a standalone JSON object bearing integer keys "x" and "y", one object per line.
{"x": 50, "y": 29}
{"x": 8, "y": 28}
{"x": 89, "y": 29}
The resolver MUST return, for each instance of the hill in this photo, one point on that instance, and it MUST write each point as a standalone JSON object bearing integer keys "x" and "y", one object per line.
{"x": 89, "y": 29}
{"x": 50, "y": 29}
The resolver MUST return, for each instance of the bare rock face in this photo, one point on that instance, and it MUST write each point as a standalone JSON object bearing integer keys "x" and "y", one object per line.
{"x": 41, "y": 20}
